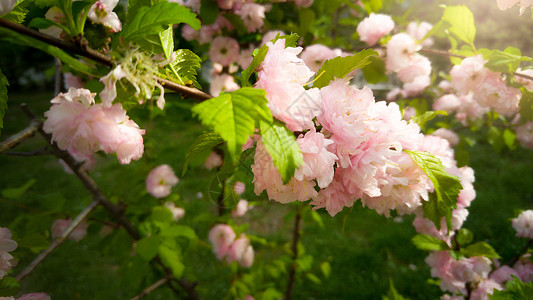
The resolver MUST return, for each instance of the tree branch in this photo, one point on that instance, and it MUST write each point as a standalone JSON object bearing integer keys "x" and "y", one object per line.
{"x": 79, "y": 218}
{"x": 294, "y": 248}
{"x": 98, "y": 57}
{"x": 18, "y": 138}
{"x": 38, "y": 152}
{"x": 151, "y": 288}
{"x": 524, "y": 249}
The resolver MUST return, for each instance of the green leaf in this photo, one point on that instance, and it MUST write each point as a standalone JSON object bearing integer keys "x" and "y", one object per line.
{"x": 234, "y": 116}
{"x": 429, "y": 243}
{"x": 505, "y": 61}
{"x": 184, "y": 67}
{"x": 209, "y": 11}
{"x": 375, "y": 71}
{"x": 15, "y": 193}
{"x": 514, "y": 290}
{"x": 339, "y": 67}
{"x": 3, "y": 98}
{"x": 156, "y": 18}
{"x": 162, "y": 214}
{"x": 291, "y": 40}
{"x": 63, "y": 56}
{"x": 35, "y": 242}
{"x": 206, "y": 141}
{"x": 256, "y": 61}
{"x": 47, "y": 3}
{"x": 526, "y": 105}
{"x": 237, "y": 23}
{"x": 393, "y": 293}
{"x": 422, "y": 119}
{"x": 325, "y": 267}
{"x": 464, "y": 236}
{"x": 41, "y": 23}
{"x": 271, "y": 294}
{"x": 148, "y": 247}
{"x": 313, "y": 278}
{"x": 157, "y": 43}
{"x": 446, "y": 186}
{"x": 179, "y": 230}
{"x": 172, "y": 259}
{"x": 372, "y": 5}
{"x": 282, "y": 147}
{"x": 18, "y": 13}
{"x": 9, "y": 286}
{"x": 461, "y": 22}
{"x": 318, "y": 219}
{"x": 509, "y": 137}
{"x": 480, "y": 249}
{"x": 495, "y": 138}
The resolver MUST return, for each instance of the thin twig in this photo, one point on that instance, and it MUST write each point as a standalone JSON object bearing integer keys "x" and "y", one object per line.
{"x": 294, "y": 248}
{"x": 116, "y": 211}
{"x": 79, "y": 218}
{"x": 151, "y": 288}
{"x": 98, "y": 57}
{"x": 19, "y": 137}
{"x": 59, "y": 77}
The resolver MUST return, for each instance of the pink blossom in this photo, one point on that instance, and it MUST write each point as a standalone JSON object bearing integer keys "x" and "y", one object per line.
{"x": 400, "y": 48}
{"x": 6, "y": 263}
{"x": 526, "y": 82}
{"x": 189, "y": 33}
{"x": 506, "y": 4}
{"x": 224, "y": 50}
{"x": 469, "y": 74}
{"x": 109, "y": 93}
{"x": 225, "y": 4}
{"x": 334, "y": 197}
{"x": 524, "y": 133}
{"x": 6, "y": 245}
{"x": 245, "y": 57}
{"x": 221, "y": 237}
{"x": 270, "y": 35}
{"x": 419, "y": 30}
{"x": 318, "y": 161}
{"x": 374, "y": 27}
{"x": 252, "y": 15}
{"x": 240, "y": 209}
{"x": 213, "y": 161}
{"x": 523, "y": 224}
{"x": 449, "y": 103}
{"x": 524, "y": 268}
{"x": 35, "y": 296}
{"x": 408, "y": 113}
{"x": 448, "y": 135}
{"x": 267, "y": 177}
{"x": 448, "y": 297}
{"x": 241, "y": 251}
{"x": 72, "y": 81}
{"x": 160, "y": 181}
{"x": 101, "y": 12}
{"x": 314, "y": 56}
{"x": 239, "y": 187}
{"x": 303, "y": 3}
{"x": 177, "y": 212}
{"x": 60, "y": 225}
{"x": 54, "y": 14}
{"x": 494, "y": 93}
{"x": 503, "y": 274}
{"x": 442, "y": 266}
{"x": 484, "y": 289}
{"x": 222, "y": 83}
{"x": 6, "y": 6}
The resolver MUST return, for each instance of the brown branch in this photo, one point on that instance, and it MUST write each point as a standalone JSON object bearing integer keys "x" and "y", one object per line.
{"x": 116, "y": 211}
{"x": 38, "y": 152}
{"x": 18, "y": 138}
{"x": 294, "y": 248}
{"x": 58, "y": 84}
{"x": 79, "y": 218}
{"x": 151, "y": 288}
{"x": 440, "y": 53}
{"x": 98, "y": 57}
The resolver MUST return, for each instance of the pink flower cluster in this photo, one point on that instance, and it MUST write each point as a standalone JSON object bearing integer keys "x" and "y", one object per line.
{"x": 6, "y": 245}
{"x": 32, "y": 296}
{"x": 374, "y": 27}
{"x": 479, "y": 90}
{"x": 227, "y": 248}
{"x": 506, "y": 4}
{"x": 314, "y": 56}
{"x": 523, "y": 224}
{"x": 160, "y": 181}
{"x": 177, "y": 212}
{"x": 82, "y": 127}
{"x": 413, "y": 69}
{"x": 61, "y": 225}
{"x": 101, "y": 12}
{"x": 358, "y": 152}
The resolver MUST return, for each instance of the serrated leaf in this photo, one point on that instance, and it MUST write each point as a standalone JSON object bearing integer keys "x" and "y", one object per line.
{"x": 446, "y": 186}
{"x": 514, "y": 289}
{"x": 422, "y": 119}
{"x": 184, "y": 66}
{"x": 526, "y": 105}
{"x": 282, "y": 147}
{"x": 291, "y": 40}
{"x": 172, "y": 259}
{"x": 18, "y": 13}
{"x": 234, "y": 116}
{"x": 156, "y": 18}
{"x": 480, "y": 249}
{"x": 505, "y": 61}
{"x": 461, "y": 22}
{"x": 9, "y": 286}
{"x": 15, "y": 193}
{"x": 206, "y": 141}
{"x": 148, "y": 247}
{"x": 157, "y": 43}
{"x": 429, "y": 243}
{"x": 47, "y": 3}
{"x": 256, "y": 61}
{"x": 339, "y": 67}
{"x": 63, "y": 56}
{"x": 375, "y": 71}
{"x": 162, "y": 214}
{"x": 3, "y": 98}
